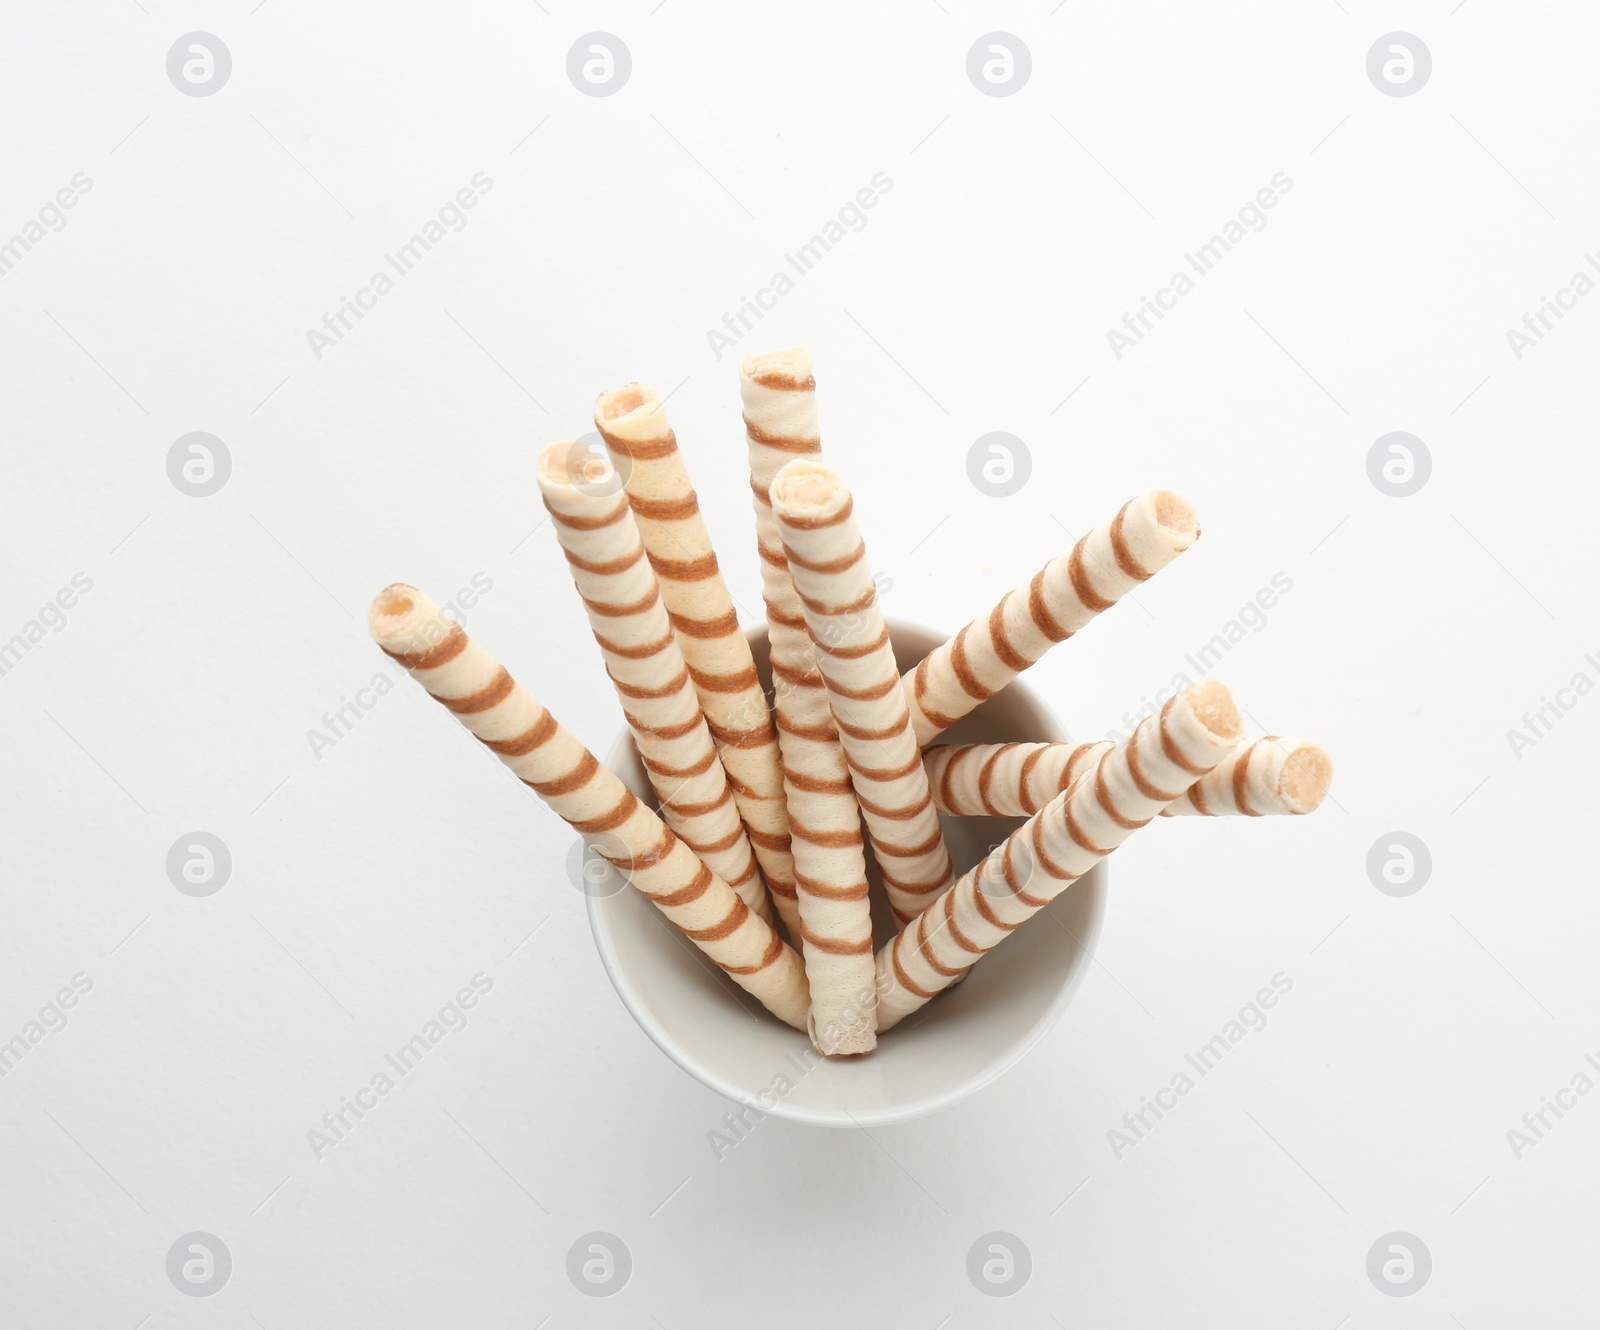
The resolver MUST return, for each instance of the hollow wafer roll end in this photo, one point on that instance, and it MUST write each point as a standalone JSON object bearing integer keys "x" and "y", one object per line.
{"x": 1268, "y": 775}
{"x": 631, "y": 413}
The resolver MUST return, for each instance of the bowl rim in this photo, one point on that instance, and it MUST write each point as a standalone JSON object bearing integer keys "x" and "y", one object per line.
{"x": 1094, "y": 882}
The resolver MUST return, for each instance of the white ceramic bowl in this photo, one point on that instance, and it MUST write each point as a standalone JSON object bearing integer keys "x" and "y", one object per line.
{"x": 957, "y": 1044}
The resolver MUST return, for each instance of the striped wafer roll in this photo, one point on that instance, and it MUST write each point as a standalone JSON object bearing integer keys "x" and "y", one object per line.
{"x": 597, "y": 532}
{"x": 1127, "y": 786}
{"x": 1004, "y": 780}
{"x": 1266, "y": 775}
{"x": 1148, "y": 533}
{"x": 667, "y": 511}
{"x": 780, "y": 415}
{"x": 545, "y": 756}
{"x": 828, "y": 565}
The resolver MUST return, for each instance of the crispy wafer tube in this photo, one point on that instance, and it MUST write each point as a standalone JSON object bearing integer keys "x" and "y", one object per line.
{"x": 1126, "y": 787}
{"x": 1265, "y": 775}
{"x": 1146, "y": 534}
{"x": 597, "y": 532}
{"x": 667, "y": 511}
{"x": 828, "y": 564}
{"x": 780, "y": 414}
{"x": 545, "y": 756}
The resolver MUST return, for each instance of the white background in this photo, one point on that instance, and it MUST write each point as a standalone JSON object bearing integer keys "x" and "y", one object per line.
{"x": 370, "y": 882}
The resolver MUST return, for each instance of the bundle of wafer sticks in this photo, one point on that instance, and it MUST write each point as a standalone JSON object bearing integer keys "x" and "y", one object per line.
{"x": 766, "y": 807}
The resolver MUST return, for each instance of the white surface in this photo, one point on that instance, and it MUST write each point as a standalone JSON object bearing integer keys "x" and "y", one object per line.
{"x": 936, "y": 1057}
{"x": 370, "y": 885}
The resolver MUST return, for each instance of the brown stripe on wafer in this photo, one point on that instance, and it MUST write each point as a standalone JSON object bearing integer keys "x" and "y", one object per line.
{"x": 760, "y": 491}
{"x": 446, "y": 649}
{"x": 721, "y": 626}
{"x": 814, "y": 784}
{"x": 986, "y": 778}
{"x": 878, "y": 734}
{"x": 1077, "y": 833}
{"x": 643, "y": 652}
{"x": 575, "y": 779}
{"x": 851, "y": 607}
{"x": 987, "y": 911}
{"x": 641, "y": 450}
{"x": 1142, "y": 782}
{"x": 695, "y": 768}
{"x": 1169, "y": 745}
{"x": 795, "y": 621}
{"x": 1119, "y": 547}
{"x": 495, "y": 691}
{"x": 948, "y": 904}
{"x": 650, "y": 857}
{"x": 896, "y": 814}
{"x": 849, "y": 891}
{"x": 693, "y": 891}
{"x": 770, "y": 840}
{"x": 1039, "y": 610}
{"x": 639, "y": 606}
{"x": 1081, "y": 585}
{"x": 1041, "y": 856}
{"x": 910, "y": 888}
{"x": 746, "y": 876}
{"x": 751, "y": 738}
{"x": 885, "y": 773}
{"x": 925, "y": 949}
{"x": 705, "y": 806}
{"x": 703, "y": 848}
{"x": 610, "y": 821}
{"x": 1009, "y": 872}
{"x": 782, "y": 442}
{"x": 1241, "y": 770}
{"x": 823, "y": 733}
{"x": 577, "y": 523}
{"x": 662, "y": 731}
{"x": 776, "y": 558}
{"x": 857, "y": 651}
{"x": 608, "y": 567}
{"x": 817, "y": 521}
{"x": 666, "y": 510}
{"x": 537, "y": 733}
{"x": 1013, "y": 658}
{"x": 800, "y": 678}
{"x": 782, "y": 380}
{"x": 969, "y": 681}
{"x": 899, "y": 971}
{"x": 829, "y": 839}
{"x": 723, "y": 927}
{"x": 829, "y": 565}
{"x": 685, "y": 570}
{"x": 871, "y": 694}
{"x": 773, "y": 951}
{"x": 946, "y": 794}
{"x": 1025, "y": 793}
{"x": 1102, "y": 792}
{"x": 669, "y": 689}
{"x": 835, "y": 946}
{"x": 725, "y": 683}
{"x": 927, "y": 846}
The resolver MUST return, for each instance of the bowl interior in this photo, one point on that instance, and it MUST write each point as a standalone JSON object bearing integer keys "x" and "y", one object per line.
{"x": 955, "y": 1045}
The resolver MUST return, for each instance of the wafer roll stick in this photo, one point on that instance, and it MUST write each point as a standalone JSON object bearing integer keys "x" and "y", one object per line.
{"x": 545, "y": 756}
{"x": 1145, "y": 535}
{"x": 1266, "y": 775}
{"x": 667, "y": 511}
{"x": 597, "y": 532}
{"x": 1127, "y": 786}
{"x": 780, "y": 414}
{"x": 828, "y": 565}
{"x": 1004, "y": 780}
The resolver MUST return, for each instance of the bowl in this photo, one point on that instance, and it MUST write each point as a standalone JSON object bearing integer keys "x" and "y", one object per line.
{"x": 957, "y": 1044}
